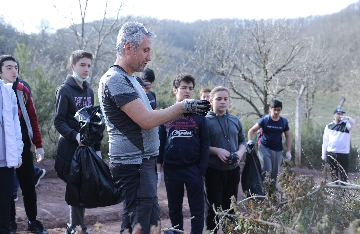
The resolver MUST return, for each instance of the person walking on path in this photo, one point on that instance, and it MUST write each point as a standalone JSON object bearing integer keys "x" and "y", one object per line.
{"x": 336, "y": 144}
{"x": 270, "y": 150}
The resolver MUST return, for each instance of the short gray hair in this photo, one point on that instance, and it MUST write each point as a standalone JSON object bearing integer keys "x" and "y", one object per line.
{"x": 133, "y": 33}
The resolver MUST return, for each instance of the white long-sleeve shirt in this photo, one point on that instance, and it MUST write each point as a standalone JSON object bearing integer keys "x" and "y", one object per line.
{"x": 336, "y": 138}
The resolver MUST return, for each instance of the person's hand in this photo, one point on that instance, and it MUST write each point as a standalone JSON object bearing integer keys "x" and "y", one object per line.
{"x": 78, "y": 139}
{"x": 159, "y": 175}
{"x": 98, "y": 153}
{"x": 250, "y": 143}
{"x": 200, "y": 107}
{"x": 344, "y": 117}
{"x": 19, "y": 162}
{"x": 288, "y": 157}
{"x": 39, "y": 154}
{"x": 323, "y": 157}
{"x": 223, "y": 154}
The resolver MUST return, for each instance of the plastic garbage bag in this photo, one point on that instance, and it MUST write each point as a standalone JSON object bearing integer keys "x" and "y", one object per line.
{"x": 90, "y": 184}
{"x": 91, "y": 124}
{"x": 251, "y": 180}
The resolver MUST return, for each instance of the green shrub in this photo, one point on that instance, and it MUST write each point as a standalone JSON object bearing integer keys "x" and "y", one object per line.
{"x": 301, "y": 207}
{"x": 311, "y": 143}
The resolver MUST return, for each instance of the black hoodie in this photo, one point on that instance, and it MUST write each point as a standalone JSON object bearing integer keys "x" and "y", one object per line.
{"x": 70, "y": 97}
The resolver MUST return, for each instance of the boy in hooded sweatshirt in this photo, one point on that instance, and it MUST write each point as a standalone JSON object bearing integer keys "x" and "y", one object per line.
{"x": 227, "y": 141}
{"x": 74, "y": 94}
{"x": 31, "y": 135}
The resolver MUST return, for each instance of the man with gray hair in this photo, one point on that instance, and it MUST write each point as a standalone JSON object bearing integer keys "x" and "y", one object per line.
{"x": 131, "y": 125}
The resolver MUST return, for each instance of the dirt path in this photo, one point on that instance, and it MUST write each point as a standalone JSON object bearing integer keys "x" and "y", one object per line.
{"x": 53, "y": 211}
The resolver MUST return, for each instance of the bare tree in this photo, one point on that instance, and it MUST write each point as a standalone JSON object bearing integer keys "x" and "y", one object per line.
{"x": 312, "y": 71}
{"x": 92, "y": 36}
{"x": 259, "y": 59}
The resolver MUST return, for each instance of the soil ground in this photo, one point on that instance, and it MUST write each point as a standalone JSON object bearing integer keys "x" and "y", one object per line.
{"x": 53, "y": 211}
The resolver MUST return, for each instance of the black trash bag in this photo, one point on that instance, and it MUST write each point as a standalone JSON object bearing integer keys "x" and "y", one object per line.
{"x": 251, "y": 180}
{"x": 90, "y": 184}
{"x": 91, "y": 124}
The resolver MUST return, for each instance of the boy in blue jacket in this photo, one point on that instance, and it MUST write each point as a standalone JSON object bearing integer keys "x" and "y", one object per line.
{"x": 184, "y": 154}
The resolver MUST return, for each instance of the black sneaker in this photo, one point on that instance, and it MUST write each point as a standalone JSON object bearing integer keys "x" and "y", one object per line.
{"x": 36, "y": 227}
{"x": 38, "y": 176}
{"x": 13, "y": 226}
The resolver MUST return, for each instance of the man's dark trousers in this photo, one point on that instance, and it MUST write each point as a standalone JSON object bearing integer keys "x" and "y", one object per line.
{"x": 339, "y": 164}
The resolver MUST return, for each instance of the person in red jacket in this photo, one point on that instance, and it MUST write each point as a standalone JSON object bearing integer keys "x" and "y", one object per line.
{"x": 31, "y": 135}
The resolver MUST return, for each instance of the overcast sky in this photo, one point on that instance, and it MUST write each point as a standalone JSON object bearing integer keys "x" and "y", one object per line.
{"x": 26, "y": 15}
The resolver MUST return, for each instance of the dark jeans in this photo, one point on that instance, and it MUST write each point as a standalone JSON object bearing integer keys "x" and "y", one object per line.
{"x": 137, "y": 184}
{"x": 339, "y": 164}
{"x": 6, "y": 193}
{"x": 26, "y": 177}
{"x": 175, "y": 179}
{"x": 220, "y": 186}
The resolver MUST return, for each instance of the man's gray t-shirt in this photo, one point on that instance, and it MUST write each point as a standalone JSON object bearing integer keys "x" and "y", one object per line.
{"x": 128, "y": 142}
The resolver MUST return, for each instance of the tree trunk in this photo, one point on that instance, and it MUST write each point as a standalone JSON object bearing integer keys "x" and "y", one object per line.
{"x": 298, "y": 128}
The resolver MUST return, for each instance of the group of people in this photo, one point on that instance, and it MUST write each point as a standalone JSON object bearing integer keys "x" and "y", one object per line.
{"x": 195, "y": 143}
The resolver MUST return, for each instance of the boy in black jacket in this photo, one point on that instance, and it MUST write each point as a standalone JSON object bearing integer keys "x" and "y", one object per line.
{"x": 184, "y": 153}
{"x": 74, "y": 94}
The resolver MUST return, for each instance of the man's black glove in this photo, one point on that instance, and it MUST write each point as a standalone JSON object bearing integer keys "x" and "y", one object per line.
{"x": 200, "y": 107}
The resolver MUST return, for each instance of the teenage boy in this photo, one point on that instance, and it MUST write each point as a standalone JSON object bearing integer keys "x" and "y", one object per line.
{"x": 227, "y": 146}
{"x": 148, "y": 76}
{"x": 11, "y": 147}
{"x": 270, "y": 150}
{"x": 30, "y": 135}
{"x": 336, "y": 144}
{"x": 184, "y": 153}
{"x": 205, "y": 94}
{"x": 39, "y": 173}
{"x": 74, "y": 94}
